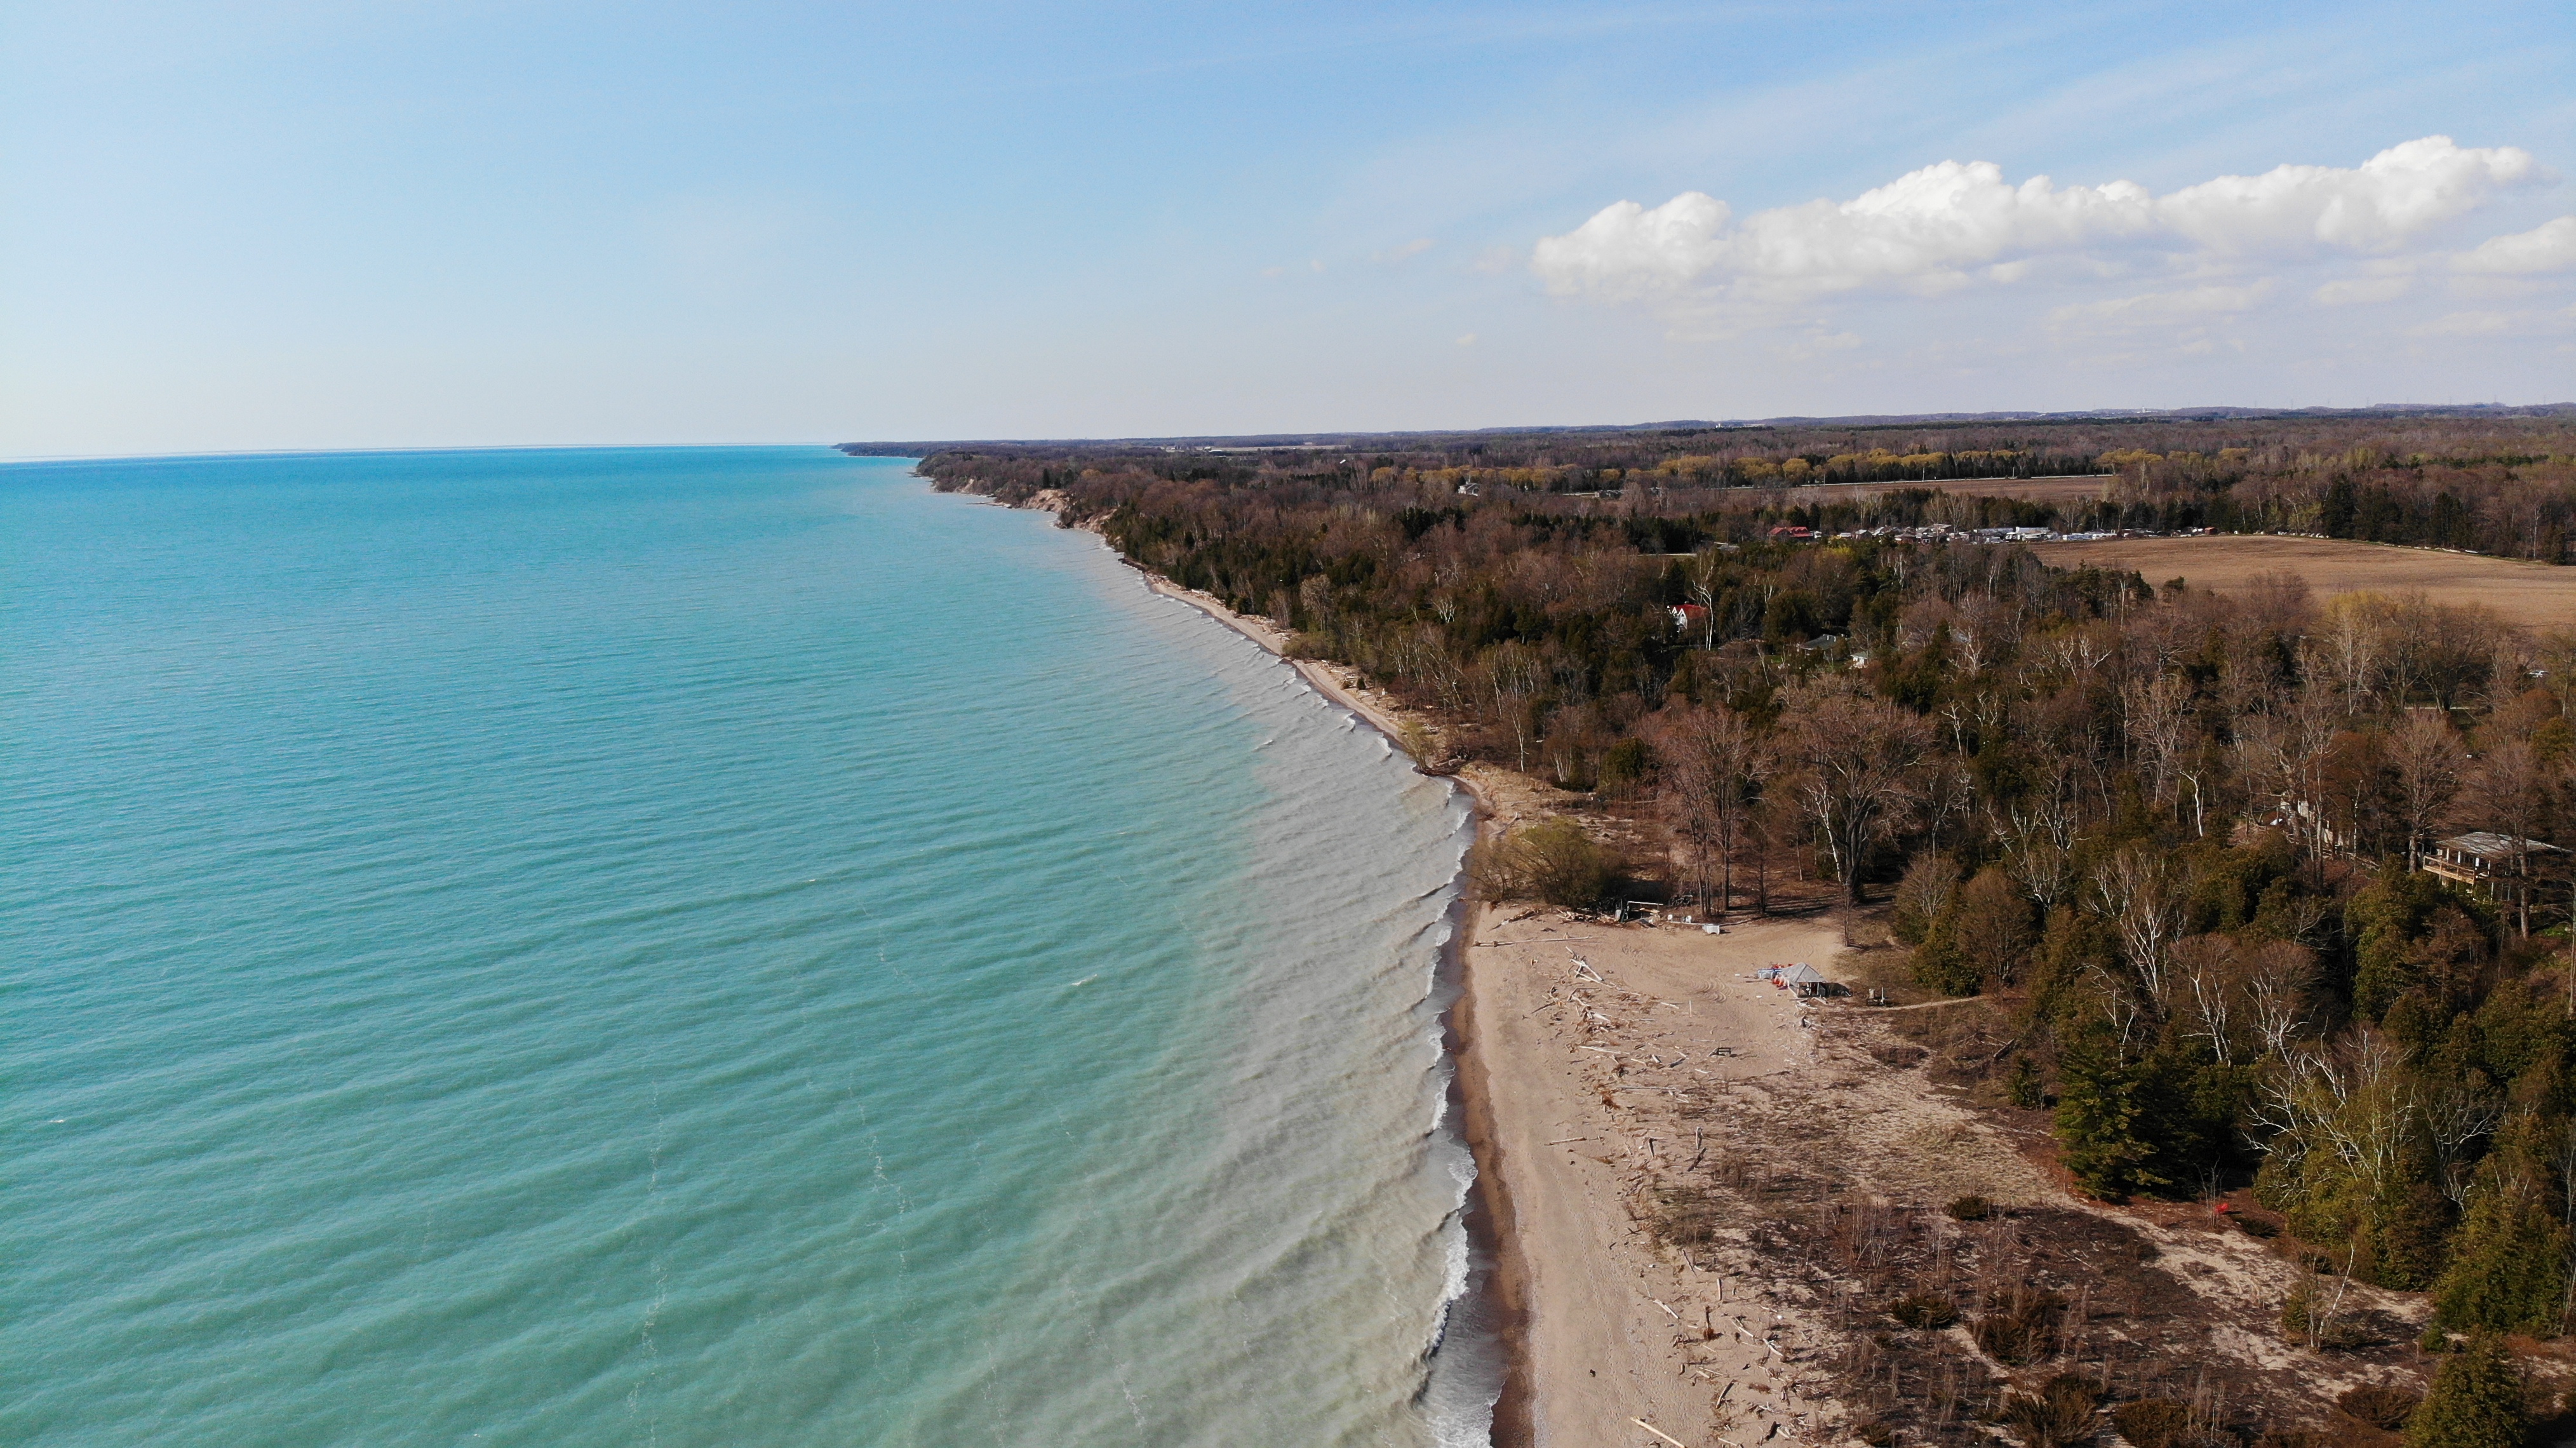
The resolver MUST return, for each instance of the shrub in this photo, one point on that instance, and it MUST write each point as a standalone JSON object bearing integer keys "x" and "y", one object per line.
{"x": 1624, "y": 765}
{"x": 1924, "y": 1309}
{"x": 2019, "y": 1335}
{"x": 1931, "y": 882}
{"x": 2025, "y": 1090}
{"x": 2310, "y": 1316}
{"x": 2381, "y": 1405}
{"x": 2153, "y": 1423}
{"x": 1939, "y": 963}
{"x": 2476, "y": 1402}
{"x": 1970, "y": 1209}
{"x": 2058, "y": 1414}
{"x": 1553, "y": 860}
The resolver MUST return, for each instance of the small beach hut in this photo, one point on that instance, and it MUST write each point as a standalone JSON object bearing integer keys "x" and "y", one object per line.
{"x": 1805, "y": 979}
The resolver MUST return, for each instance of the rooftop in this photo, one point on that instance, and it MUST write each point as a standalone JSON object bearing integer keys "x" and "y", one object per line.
{"x": 2486, "y": 844}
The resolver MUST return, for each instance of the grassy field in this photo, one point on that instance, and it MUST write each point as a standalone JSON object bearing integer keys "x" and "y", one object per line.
{"x": 2532, "y": 594}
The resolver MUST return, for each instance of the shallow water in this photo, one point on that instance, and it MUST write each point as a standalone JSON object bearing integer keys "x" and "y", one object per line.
{"x": 693, "y": 947}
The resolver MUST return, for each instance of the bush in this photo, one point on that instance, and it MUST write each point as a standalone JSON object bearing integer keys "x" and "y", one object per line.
{"x": 2019, "y": 1335}
{"x": 2381, "y": 1405}
{"x": 2310, "y": 1316}
{"x": 2058, "y": 1414}
{"x": 1553, "y": 860}
{"x": 1931, "y": 882}
{"x": 2476, "y": 1402}
{"x": 1940, "y": 964}
{"x": 2153, "y": 1423}
{"x": 2025, "y": 1089}
{"x": 1924, "y": 1309}
{"x": 1623, "y": 766}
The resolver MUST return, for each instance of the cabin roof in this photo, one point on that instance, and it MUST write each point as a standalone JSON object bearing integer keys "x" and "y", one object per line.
{"x": 2488, "y": 845}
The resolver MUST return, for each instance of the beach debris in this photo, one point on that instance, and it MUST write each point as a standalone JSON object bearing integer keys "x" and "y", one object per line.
{"x": 1658, "y": 1432}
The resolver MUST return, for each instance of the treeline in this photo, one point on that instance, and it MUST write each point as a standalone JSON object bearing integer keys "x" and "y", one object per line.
{"x": 2482, "y": 481}
{"x": 2173, "y": 833}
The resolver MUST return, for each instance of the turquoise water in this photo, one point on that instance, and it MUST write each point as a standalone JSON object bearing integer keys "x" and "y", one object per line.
{"x": 692, "y": 947}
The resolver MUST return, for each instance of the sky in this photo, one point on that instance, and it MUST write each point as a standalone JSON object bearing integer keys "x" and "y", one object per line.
{"x": 335, "y": 225}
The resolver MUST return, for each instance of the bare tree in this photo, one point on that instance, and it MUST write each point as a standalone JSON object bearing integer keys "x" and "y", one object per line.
{"x": 2285, "y": 752}
{"x": 1714, "y": 765}
{"x": 2454, "y": 1117}
{"x": 1857, "y": 756}
{"x": 2356, "y": 1104}
{"x": 2279, "y": 989}
{"x": 2512, "y": 790}
{"x": 2429, "y": 764}
{"x": 2139, "y": 894}
{"x": 1514, "y": 677}
{"x": 2159, "y": 727}
{"x": 2211, "y": 975}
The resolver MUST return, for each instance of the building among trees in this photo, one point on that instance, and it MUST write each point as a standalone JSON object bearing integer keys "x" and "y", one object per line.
{"x": 2507, "y": 869}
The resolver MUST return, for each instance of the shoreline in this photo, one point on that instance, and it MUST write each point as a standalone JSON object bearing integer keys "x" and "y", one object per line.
{"x": 1503, "y": 1298}
{"x": 1565, "y": 1280}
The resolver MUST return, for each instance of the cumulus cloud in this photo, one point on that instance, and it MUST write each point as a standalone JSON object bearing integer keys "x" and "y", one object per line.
{"x": 2547, "y": 248}
{"x": 1955, "y": 225}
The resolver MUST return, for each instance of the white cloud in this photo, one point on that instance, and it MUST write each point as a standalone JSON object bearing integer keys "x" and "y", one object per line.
{"x": 2498, "y": 324}
{"x": 2358, "y": 291}
{"x": 1951, "y": 225}
{"x": 2156, "y": 309}
{"x": 1395, "y": 254}
{"x": 2550, "y": 247}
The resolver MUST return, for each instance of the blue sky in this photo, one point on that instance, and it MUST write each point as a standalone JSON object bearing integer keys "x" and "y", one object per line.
{"x": 394, "y": 224}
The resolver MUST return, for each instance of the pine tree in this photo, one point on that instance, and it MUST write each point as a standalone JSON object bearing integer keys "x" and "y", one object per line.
{"x": 2476, "y": 1402}
{"x": 2508, "y": 1264}
{"x": 2101, "y": 1116}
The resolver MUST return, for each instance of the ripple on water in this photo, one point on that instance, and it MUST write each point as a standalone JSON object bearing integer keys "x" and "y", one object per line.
{"x": 707, "y": 946}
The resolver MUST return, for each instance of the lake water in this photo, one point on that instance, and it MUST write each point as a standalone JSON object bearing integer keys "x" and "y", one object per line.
{"x": 686, "y": 947}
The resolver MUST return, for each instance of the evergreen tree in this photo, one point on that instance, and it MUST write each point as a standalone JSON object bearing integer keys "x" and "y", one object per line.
{"x": 2508, "y": 1268}
{"x": 2386, "y": 921}
{"x": 2409, "y": 1223}
{"x": 2476, "y": 1402}
{"x": 2103, "y": 1118}
{"x": 1942, "y": 964}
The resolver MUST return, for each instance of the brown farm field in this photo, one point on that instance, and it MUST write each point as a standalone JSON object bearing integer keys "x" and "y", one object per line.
{"x": 2534, "y": 595}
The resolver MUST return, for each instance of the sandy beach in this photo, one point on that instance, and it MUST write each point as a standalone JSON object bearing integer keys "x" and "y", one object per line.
{"x": 1591, "y": 1058}
{"x": 1696, "y": 1186}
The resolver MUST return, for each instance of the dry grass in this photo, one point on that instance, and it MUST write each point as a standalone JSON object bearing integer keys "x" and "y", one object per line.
{"x": 2532, "y": 594}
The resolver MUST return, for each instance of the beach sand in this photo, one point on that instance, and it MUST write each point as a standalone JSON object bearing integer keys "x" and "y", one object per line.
{"x": 1606, "y": 1069}
{"x": 1588, "y": 1064}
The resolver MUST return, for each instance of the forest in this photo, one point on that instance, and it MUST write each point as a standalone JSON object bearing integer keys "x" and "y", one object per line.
{"x": 2175, "y": 836}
